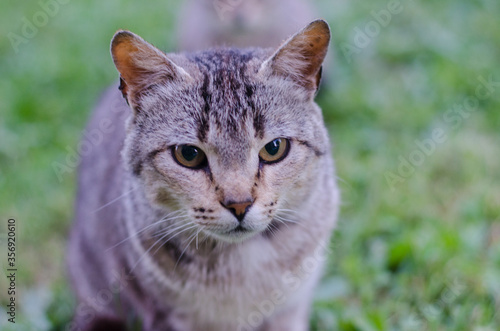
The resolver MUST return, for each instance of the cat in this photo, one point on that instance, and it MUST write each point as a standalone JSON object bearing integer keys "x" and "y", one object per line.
{"x": 210, "y": 202}
{"x": 240, "y": 23}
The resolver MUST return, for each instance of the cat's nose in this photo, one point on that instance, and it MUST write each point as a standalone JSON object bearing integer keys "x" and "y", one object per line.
{"x": 239, "y": 209}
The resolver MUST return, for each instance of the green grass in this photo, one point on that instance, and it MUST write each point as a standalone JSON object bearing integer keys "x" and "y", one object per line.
{"x": 422, "y": 253}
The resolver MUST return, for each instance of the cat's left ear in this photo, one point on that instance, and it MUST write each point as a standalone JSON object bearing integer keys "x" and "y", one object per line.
{"x": 301, "y": 57}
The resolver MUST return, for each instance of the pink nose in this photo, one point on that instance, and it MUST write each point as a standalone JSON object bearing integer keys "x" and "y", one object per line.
{"x": 239, "y": 209}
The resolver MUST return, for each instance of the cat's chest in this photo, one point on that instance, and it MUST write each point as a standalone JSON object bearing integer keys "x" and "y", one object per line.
{"x": 228, "y": 295}
{"x": 231, "y": 286}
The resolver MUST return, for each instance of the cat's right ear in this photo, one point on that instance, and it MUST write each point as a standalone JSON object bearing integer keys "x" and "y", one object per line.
{"x": 141, "y": 65}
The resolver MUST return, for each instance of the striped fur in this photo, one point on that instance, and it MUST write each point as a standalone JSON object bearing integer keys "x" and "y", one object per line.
{"x": 229, "y": 103}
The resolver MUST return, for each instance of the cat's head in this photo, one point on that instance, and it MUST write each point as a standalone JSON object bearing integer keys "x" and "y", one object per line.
{"x": 229, "y": 137}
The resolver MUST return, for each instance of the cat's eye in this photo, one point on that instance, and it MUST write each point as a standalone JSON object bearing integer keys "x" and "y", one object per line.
{"x": 275, "y": 150}
{"x": 189, "y": 156}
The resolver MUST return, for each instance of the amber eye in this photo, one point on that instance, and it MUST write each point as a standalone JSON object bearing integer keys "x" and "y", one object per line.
{"x": 275, "y": 151}
{"x": 189, "y": 156}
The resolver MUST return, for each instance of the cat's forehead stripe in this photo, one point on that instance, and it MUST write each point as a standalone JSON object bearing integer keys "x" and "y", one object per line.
{"x": 203, "y": 124}
{"x": 227, "y": 93}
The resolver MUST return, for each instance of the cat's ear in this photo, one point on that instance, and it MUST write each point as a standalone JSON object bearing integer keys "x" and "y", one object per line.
{"x": 141, "y": 65}
{"x": 301, "y": 57}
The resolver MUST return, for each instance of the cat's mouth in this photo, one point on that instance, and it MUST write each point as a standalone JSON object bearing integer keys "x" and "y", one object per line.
{"x": 237, "y": 234}
{"x": 239, "y": 229}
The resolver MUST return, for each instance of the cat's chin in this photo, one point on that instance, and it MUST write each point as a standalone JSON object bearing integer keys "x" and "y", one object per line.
{"x": 236, "y": 235}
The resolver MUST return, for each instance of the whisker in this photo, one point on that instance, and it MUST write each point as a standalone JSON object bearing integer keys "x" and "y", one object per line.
{"x": 204, "y": 238}
{"x": 159, "y": 240}
{"x": 281, "y": 221}
{"x": 273, "y": 229}
{"x": 183, "y": 228}
{"x": 162, "y": 230}
{"x": 197, "y": 233}
{"x": 114, "y": 200}
{"x": 290, "y": 221}
{"x": 169, "y": 230}
{"x": 136, "y": 233}
{"x": 343, "y": 181}
{"x": 291, "y": 211}
{"x": 161, "y": 220}
{"x": 189, "y": 243}
{"x": 284, "y": 220}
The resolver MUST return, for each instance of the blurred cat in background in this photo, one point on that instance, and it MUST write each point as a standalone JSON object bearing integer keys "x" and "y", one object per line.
{"x": 240, "y": 23}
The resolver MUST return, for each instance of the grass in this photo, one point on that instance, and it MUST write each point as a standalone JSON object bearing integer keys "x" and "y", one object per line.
{"x": 421, "y": 252}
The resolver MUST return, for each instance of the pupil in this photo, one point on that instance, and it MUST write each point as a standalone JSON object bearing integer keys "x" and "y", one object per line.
{"x": 189, "y": 153}
{"x": 273, "y": 147}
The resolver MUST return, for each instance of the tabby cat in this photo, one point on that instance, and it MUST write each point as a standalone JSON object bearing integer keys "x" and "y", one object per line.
{"x": 240, "y": 23}
{"x": 210, "y": 200}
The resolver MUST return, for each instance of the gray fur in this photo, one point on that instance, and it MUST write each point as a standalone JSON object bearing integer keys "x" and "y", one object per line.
{"x": 240, "y": 23}
{"x": 230, "y": 103}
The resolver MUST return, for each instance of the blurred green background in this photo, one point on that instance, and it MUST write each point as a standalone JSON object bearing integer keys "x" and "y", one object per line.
{"x": 417, "y": 147}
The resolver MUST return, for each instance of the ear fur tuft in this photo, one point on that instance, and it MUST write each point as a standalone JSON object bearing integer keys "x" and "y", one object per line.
{"x": 140, "y": 65}
{"x": 301, "y": 57}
